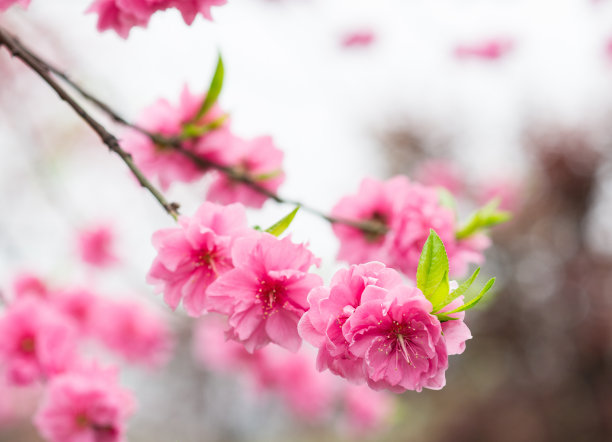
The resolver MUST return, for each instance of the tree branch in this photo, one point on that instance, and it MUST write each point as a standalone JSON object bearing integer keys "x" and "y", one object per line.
{"x": 17, "y": 49}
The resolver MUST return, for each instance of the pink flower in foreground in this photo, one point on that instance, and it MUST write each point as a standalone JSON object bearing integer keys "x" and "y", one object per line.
{"x": 133, "y": 331}
{"x": 35, "y": 342}
{"x": 487, "y": 50}
{"x": 408, "y": 211}
{"x": 193, "y": 255}
{"x": 455, "y": 331}
{"x": 191, "y": 8}
{"x": 123, "y": 15}
{"x": 329, "y": 309}
{"x": 400, "y": 342}
{"x": 82, "y": 406}
{"x": 168, "y": 120}
{"x": 96, "y": 246}
{"x": 27, "y": 284}
{"x": 365, "y": 410}
{"x": 265, "y": 295}
{"x": 111, "y": 15}
{"x": 259, "y": 160}
{"x": 5, "y": 4}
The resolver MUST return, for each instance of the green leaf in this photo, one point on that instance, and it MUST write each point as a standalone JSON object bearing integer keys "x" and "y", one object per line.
{"x": 443, "y": 318}
{"x": 278, "y": 228}
{"x": 216, "y": 84}
{"x": 192, "y": 130}
{"x": 450, "y": 297}
{"x": 432, "y": 272}
{"x": 268, "y": 175}
{"x": 474, "y": 301}
{"x": 485, "y": 217}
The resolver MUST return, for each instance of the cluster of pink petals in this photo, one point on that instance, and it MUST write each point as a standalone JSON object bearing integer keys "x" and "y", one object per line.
{"x": 27, "y": 284}
{"x": 163, "y": 118}
{"x": 491, "y": 50}
{"x": 369, "y": 326}
{"x": 95, "y": 246}
{"x": 408, "y": 211}
{"x": 264, "y": 296}
{"x": 259, "y": 160}
{"x": 5, "y": 4}
{"x": 138, "y": 334}
{"x": 123, "y": 15}
{"x": 84, "y": 405}
{"x": 193, "y": 255}
{"x": 36, "y": 342}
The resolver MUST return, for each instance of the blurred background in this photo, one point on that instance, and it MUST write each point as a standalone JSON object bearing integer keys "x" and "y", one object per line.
{"x": 485, "y": 97}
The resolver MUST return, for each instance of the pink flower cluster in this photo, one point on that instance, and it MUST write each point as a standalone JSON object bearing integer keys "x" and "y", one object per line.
{"x": 214, "y": 262}
{"x": 5, "y": 4}
{"x": 369, "y": 326}
{"x": 406, "y": 212}
{"x": 95, "y": 246}
{"x": 309, "y": 395}
{"x": 123, "y": 15}
{"x": 257, "y": 159}
{"x": 86, "y": 404}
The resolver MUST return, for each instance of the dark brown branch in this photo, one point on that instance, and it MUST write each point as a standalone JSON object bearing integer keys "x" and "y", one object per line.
{"x": 17, "y": 49}
{"x": 176, "y": 143}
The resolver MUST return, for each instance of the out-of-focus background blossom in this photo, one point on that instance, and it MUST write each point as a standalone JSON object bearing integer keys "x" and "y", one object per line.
{"x": 488, "y": 98}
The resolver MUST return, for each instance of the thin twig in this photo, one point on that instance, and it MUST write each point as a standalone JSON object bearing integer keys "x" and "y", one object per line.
{"x": 17, "y": 49}
{"x": 176, "y": 143}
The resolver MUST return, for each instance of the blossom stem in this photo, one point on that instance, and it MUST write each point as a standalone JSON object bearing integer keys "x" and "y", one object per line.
{"x": 43, "y": 68}
{"x": 18, "y": 50}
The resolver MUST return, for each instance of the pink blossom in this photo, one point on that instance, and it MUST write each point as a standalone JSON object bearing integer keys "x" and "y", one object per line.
{"x": 196, "y": 253}
{"x": 86, "y": 405}
{"x": 27, "y": 284}
{"x": 487, "y": 50}
{"x": 168, "y": 120}
{"x": 360, "y": 38}
{"x": 96, "y": 246}
{"x": 400, "y": 342}
{"x": 191, "y": 8}
{"x": 329, "y": 309}
{"x": 111, "y": 15}
{"x": 455, "y": 331}
{"x": 123, "y": 15}
{"x": 35, "y": 341}
{"x": 265, "y": 295}
{"x": 257, "y": 159}
{"x": 80, "y": 306}
{"x": 365, "y": 410}
{"x": 5, "y": 4}
{"x": 135, "y": 332}
{"x": 440, "y": 173}
{"x": 307, "y": 393}
{"x": 408, "y": 211}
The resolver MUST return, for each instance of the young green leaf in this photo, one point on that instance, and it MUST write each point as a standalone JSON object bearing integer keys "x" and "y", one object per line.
{"x": 474, "y": 301}
{"x": 432, "y": 272}
{"x": 447, "y": 199}
{"x": 486, "y": 216}
{"x": 216, "y": 84}
{"x": 443, "y": 318}
{"x": 278, "y": 228}
{"x": 450, "y": 297}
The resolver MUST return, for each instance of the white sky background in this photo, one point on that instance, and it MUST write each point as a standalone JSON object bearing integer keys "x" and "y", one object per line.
{"x": 287, "y": 76}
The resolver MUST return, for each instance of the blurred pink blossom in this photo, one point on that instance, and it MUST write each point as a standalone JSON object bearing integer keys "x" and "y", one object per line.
{"x": 493, "y": 49}
{"x": 191, "y": 256}
{"x": 365, "y": 410}
{"x": 265, "y": 295}
{"x": 36, "y": 342}
{"x": 440, "y": 173}
{"x": 85, "y": 405}
{"x": 5, "y": 4}
{"x": 96, "y": 246}
{"x": 27, "y": 284}
{"x": 359, "y": 38}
